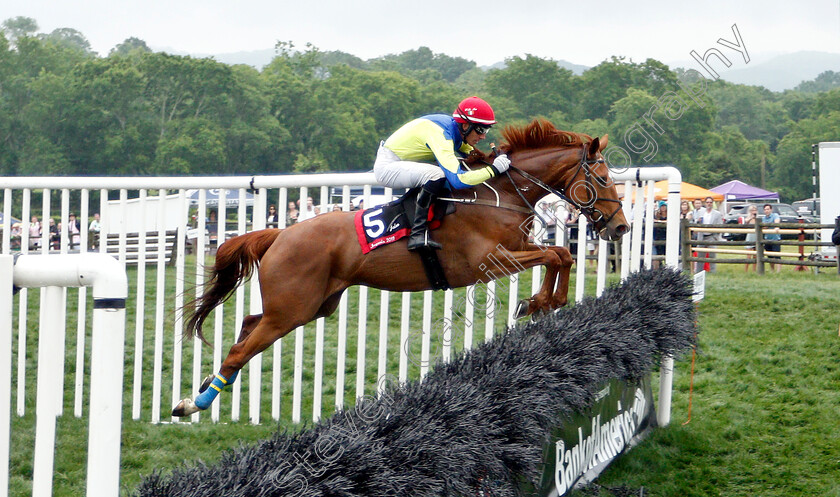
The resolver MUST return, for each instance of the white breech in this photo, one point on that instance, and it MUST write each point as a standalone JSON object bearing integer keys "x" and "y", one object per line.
{"x": 393, "y": 172}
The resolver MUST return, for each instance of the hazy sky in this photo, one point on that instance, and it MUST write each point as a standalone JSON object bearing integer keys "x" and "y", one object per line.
{"x": 486, "y": 32}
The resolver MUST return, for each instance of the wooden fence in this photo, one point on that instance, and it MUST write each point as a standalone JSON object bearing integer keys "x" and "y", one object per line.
{"x": 753, "y": 252}
{"x": 802, "y": 235}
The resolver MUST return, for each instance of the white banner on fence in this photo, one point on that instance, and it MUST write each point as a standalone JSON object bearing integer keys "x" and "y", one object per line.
{"x": 829, "y": 185}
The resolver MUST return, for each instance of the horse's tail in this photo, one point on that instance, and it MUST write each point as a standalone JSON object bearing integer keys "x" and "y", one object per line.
{"x": 235, "y": 261}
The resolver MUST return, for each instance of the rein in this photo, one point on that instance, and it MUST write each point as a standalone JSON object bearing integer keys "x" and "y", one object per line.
{"x": 481, "y": 201}
{"x": 600, "y": 223}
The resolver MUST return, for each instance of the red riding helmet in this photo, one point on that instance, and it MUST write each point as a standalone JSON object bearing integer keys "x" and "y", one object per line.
{"x": 474, "y": 110}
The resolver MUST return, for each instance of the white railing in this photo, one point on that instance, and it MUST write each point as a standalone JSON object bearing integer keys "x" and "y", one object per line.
{"x": 166, "y": 288}
{"x": 54, "y": 273}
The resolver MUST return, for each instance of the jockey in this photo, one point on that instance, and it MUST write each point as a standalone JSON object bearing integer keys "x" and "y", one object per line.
{"x": 425, "y": 152}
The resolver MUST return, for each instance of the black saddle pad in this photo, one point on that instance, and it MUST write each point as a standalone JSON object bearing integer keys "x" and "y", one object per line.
{"x": 388, "y": 223}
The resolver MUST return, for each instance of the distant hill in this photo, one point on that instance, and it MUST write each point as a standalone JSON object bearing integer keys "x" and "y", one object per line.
{"x": 777, "y": 73}
{"x": 576, "y": 69}
{"x": 255, "y": 58}
{"x": 261, "y": 58}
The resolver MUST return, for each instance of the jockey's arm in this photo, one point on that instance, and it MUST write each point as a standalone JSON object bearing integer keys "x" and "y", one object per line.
{"x": 444, "y": 151}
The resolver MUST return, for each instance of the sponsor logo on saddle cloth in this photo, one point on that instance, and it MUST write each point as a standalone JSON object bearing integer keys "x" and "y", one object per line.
{"x": 388, "y": 223}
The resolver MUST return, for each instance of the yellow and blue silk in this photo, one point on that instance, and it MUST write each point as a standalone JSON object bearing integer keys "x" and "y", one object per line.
{"x": 436, "y": 139}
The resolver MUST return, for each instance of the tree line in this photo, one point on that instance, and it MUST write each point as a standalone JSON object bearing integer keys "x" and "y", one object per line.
{"x": 65, "y": 110}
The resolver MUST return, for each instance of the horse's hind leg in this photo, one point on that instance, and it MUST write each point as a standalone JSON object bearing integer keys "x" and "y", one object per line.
{"x": 268, "y": 330}
{"x": 248, "y": 324}
{"x": 258, "y": 333}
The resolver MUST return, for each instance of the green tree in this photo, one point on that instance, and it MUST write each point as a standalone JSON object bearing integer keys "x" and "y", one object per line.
{"x": 255, "y": 141}
{"x": 752, "y": 109}
{"x": 70, "y": 38}
{"x": 113, "y": 89}
{"x": 797, "y": 104}
{"x": 129, "y": 47}
{"x": 289, "y": 91}
{"x": 195, "y": 145}
{"x": 538, "y": 86}
{"x": 670, "y": 129}
{"x": 18, "y": 27}
{"x": 791, "y": 169}
{"x": 599, "y": 87}
{"x": 449, "y": 68}
{"x": 826, "y": 103}
{"x": 730, "y": 155}
{"x": 824, "y": 82}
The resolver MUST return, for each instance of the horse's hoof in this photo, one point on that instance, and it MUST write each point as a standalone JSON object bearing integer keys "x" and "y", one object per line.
{"x": 522, "y": 309}
{"x": 206, "y": 383}
{"x": 185, "y": 408}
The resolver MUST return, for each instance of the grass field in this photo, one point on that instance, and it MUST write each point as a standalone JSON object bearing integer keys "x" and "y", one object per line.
{"x": 764, "y": 418}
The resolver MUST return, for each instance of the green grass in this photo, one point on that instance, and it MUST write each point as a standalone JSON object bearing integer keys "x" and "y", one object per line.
{"x": 764, "y": 413}
{"x": 765, "y": 400}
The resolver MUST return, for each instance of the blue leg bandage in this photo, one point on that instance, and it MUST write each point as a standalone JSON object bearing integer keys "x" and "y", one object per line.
{"x": 206, "y": 398}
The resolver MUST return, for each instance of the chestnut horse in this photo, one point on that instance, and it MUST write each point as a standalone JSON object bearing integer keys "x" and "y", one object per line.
{"x": 304, "y": 269}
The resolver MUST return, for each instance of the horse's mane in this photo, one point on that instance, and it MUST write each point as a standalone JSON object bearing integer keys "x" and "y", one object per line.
{"x": 540, "y": 133}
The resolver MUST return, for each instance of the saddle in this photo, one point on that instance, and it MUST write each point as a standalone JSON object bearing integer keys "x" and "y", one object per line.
{"x": 385, "y": 224}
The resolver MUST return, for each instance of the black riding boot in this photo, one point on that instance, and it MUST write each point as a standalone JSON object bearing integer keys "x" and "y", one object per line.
{"x": 419, "y": 237}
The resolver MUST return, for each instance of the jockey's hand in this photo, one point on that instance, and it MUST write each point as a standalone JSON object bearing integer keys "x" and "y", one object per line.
{"x": 501, "y": 164}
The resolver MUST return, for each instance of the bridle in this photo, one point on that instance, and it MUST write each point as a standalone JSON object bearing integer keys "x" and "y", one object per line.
{"x": 599, "y": 221}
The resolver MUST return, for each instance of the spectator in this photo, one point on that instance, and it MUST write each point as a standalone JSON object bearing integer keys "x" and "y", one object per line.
{"x": 685, "y": 211}
{"x": 34, "y": 233}
{"x": 336, "y": 208}
{"x": 16, "y": 233}
{"x": 835, "y": 237}
{"x": 697, "y": 214}
{"x": 771, "y": 238}
{"x": 660, "y": 217}
{"x": 53, "y": 235}
{"x": 292, "y": 214}
{"x": 307, "y": 212}
{"x": 93, "y": 231}
{"x": 572, "y": 226}
{"x": 73, "y": 230}
{"x": 212, "y": 227}
{"x": 752, "y": 215}
{"x": 271, "y": 218}
{"x": 710, "y": 216}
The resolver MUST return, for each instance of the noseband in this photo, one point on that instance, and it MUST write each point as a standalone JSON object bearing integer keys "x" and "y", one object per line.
{"x": 599, "y": 221}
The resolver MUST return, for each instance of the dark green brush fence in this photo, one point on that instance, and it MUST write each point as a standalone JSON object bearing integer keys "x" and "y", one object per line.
{"x": 484, "y": 417}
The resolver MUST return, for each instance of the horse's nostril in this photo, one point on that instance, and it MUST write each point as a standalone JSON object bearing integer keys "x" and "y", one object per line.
{"x": 621, "y": 229}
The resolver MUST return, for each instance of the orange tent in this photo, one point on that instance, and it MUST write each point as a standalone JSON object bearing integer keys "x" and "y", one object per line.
{"x": 687, "y": 191}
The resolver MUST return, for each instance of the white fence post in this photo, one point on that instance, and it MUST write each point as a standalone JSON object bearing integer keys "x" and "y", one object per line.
{"x": 6, "y": 262}
{"x": 110, "y": 289}
{"x": 672, "y": 241}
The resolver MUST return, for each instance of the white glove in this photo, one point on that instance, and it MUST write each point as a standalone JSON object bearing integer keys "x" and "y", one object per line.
{"x": 501, "y": 163}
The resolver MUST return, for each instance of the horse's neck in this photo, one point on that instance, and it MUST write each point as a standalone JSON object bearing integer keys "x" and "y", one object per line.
{"x": 504, "y": 188}
{"x": 536, "y": 163}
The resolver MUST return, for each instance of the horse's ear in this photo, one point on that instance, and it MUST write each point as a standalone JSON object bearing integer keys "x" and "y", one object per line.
{"x": 604, "y": 140}
{"x": 594, "y": 147}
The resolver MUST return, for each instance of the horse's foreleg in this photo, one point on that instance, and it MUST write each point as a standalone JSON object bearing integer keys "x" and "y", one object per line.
{"x": 561, "y": 294}
{"x": 514, "y": 262}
